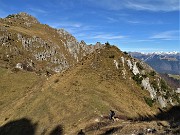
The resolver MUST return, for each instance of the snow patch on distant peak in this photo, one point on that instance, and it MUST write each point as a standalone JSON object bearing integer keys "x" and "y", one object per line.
{"x": 160, "y": 53}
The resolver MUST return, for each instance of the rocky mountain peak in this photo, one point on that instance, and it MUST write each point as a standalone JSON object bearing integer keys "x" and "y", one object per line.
{"x": 21, "y": 19}
{"x": 27, "y": 43}
{"x": 25, "y": 17}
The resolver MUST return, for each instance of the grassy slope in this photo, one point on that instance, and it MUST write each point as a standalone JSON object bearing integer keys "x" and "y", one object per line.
{"x": 73, "y": 98}
{"x": 15, "y": 91}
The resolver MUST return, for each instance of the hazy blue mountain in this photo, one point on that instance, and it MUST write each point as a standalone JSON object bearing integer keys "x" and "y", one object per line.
{"x": 162, "y": 62}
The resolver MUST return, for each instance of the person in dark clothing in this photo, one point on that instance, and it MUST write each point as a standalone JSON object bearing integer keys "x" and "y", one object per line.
{"x": 111, "y": 115}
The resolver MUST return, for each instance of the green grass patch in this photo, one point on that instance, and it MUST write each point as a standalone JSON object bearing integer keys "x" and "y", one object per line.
{"x": 149, "y": 101}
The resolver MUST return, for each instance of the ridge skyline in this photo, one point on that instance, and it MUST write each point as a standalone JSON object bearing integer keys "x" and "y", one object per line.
{"x": 131, "y": 25}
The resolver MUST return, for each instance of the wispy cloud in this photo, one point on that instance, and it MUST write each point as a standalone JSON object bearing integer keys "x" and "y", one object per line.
{"x": 155, "y": 5}
{"x": 95, "y": 36}
{"x": 79, "y": 30}
{"x": 112, "y": 20}
{"x": 108, "y": 36}
{"x": 38, "y": 10}
{"x": 134, "y": 22}
{"x": 67, "y": 24}
{"x": 123, "y": 19}
{"x": 144, "y": 40}
{"x": 167, "y": 35}
{"x": 130, "y": 40}
{"x": 143, "y": 49}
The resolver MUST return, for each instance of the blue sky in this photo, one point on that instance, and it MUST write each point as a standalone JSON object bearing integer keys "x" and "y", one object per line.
{"x": 132, "y": 25}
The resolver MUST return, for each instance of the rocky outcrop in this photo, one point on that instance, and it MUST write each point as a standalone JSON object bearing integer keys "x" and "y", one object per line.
{"x": 56, "y": 51}
{"x": 146, "y": 78}
{"x": 146, "y": 84}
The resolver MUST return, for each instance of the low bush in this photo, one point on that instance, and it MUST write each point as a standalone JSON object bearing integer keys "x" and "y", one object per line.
{"x": 107, "y": 44}
{"x": 139, "y": 66}
{"x": 152, "y": 73}
{"x": 155, "y": 85}
{"x": 125, "y": 52}
{"x": 111, "y": 56}
{"x": 163, "y": 84}
{"x": 56, "y": 80}
{"x": 137, "y": 78}
{"x": 149, "y": 101}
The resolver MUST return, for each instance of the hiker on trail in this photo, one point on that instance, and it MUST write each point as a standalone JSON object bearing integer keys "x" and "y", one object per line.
{"x": 111, "y": 115}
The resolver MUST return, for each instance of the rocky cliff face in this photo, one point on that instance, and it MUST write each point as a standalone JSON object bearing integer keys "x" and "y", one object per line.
{"x": 29, "y": 45}
{"x": 148, "y": 79}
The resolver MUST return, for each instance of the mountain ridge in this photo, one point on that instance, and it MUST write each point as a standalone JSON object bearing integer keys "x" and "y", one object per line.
{"x": 56, "y": 48}
{"x": 73, "y": 84}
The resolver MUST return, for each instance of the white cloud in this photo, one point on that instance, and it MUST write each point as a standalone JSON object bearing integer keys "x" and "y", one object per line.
{"x": 167, "y": 35}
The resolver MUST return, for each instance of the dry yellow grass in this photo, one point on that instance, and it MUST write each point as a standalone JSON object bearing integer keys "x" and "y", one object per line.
{"x": 73, "y": 98}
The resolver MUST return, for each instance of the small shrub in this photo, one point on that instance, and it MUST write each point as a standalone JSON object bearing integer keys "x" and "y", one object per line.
{"x": 111, "y": 56}
{"x": 125, "y": 52}
{"x": 176, "y": 97}
{"x": 149, "y": 101}
{"x": 167, "y": 95}
{"x": 137, "y": 78}
{"x": 155, "y": 85}
{"x": 56, "y": 80}
{"x": 144, "y": 76}
{"x": 139, "y": 66}
{"x": 107, "y": 44}
{"x": 10, "y": 16}
{"x": 152, "y": 73}
{"x": 163, "y": 84}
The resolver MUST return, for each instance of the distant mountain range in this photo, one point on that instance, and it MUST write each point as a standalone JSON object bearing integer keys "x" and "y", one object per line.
{"x": 162, "y": 62}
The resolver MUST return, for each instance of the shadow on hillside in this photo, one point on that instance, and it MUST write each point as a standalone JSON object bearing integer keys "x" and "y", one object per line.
{"x": 18, "y": 127}
{"x": 24, "y": 126}
{"x": 171, "y": 115}
{"x": 111, "y": 130}
{"x": 58, "y": 130}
